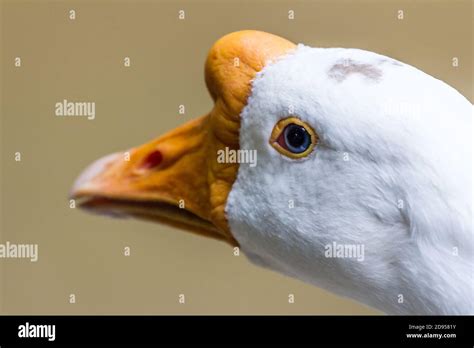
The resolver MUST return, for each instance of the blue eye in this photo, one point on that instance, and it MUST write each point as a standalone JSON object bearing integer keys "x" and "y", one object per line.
{"x": 295, "y": 138}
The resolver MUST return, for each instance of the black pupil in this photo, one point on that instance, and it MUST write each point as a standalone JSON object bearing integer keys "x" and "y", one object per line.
{"x": 296, "y": 136}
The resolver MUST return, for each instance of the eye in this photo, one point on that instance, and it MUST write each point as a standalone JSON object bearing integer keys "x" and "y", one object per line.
{"x": 293, "y": 138}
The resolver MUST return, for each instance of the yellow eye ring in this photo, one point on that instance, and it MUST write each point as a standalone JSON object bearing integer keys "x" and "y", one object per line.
{"x": 293, "y": 138}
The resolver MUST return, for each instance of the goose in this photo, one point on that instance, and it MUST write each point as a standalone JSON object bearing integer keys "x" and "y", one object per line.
{"x": 362, "y": 183}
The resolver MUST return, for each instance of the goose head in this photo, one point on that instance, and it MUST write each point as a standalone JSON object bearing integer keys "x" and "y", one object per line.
{"x": 361, "y": 182}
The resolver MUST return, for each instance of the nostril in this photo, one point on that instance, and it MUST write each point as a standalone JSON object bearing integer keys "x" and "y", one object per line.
{"x": 152, "y": 160}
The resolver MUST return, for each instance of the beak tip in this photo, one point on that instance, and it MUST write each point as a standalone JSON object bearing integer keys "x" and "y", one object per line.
{"x": 83, "y": 181}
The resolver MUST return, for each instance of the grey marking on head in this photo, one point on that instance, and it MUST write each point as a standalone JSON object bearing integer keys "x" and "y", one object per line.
{"x": 391, "y": 61}
{"x": 345, "y": 67}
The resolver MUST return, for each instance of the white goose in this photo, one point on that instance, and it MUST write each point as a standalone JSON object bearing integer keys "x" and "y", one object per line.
{"x": 362, "y": 184}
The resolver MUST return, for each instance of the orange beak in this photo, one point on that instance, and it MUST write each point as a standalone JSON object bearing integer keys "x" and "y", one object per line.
{"x": 176, "y": 179}
{"x": 165, "y": 180}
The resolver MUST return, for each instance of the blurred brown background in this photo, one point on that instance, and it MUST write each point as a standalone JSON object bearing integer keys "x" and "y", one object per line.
{"x": 82, "y": 60}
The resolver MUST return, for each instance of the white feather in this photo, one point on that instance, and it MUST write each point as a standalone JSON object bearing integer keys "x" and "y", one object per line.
{"x": 420, "y": 159}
